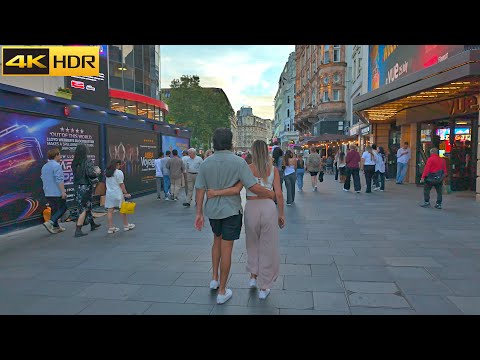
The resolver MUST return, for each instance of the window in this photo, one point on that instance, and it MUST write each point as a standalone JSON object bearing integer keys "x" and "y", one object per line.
{"x": 314, "y": 100}
{"x": 288, "y": 112}
{"x": 326, "y": 54}
{"x": 308, "y": 74}
{"x": 340, "y": 125}
{"x": 325, "y": 80}
{"x": 288, "y": 99}
{"x": 336, "y": 53}
{"x": 336, "y": 78}
{"x": 359, "y": 67}
{"x": 314, "y": 65}
{"x": 325, "y": 96}
{"x": 336, "y": 95}
{"x": 354, "y": 69}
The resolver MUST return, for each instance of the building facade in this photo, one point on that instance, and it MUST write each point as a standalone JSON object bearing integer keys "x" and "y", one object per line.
{"x": 428, "y": 96}
{"x": 283, "y": 124}
{"x": 234, "y": 128}
{"x": 129, "y": 82}
{"x": 358, "y": 85}
{"x": 251, "y": 128}
{"x": 320, "y": 83}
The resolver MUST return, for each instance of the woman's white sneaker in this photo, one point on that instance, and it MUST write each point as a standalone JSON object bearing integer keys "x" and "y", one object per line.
{"x": 221, "y": 299}
{"x": 262, "y": 295}
{"x": 252, "y": 283}
{"x": 214, "y": 284}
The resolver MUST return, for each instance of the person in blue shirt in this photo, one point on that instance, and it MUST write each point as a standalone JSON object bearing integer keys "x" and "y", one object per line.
{"x": 54, "y": 190}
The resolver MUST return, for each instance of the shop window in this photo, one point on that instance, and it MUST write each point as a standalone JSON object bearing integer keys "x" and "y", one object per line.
{"x": 131, "y": 107}
{"x": 138, "y": 56}
{"x": 117, "y": 104}
{"x": 115, "y": 53}
{"x": 127, "y": 55}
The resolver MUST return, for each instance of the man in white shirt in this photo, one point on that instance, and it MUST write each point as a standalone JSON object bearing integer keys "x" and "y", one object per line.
{"x": 184, "y": 159}
{"x": 159, "y": 174}
{"x": 192, "y": 167}
{"x": 403, "y": 156}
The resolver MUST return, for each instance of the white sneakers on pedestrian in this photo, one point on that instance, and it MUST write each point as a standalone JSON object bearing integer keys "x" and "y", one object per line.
{"x": 252, "y": 283}
{"x": 214, "y": 284}
{"x": 113, "y": 230}
{"x": 129, "y": 227}
{"x": 221, "y": 299}
{"x": 262, "y": 295}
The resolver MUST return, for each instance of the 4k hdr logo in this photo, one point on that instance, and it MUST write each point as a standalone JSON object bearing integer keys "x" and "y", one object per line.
{"x": 50, "y": 60}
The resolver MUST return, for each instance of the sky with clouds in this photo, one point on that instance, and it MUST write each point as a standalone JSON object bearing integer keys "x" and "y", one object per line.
{"x": 247, "y": 73}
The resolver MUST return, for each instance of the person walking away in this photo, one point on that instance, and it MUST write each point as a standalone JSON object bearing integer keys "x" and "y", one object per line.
{"x": 380, "y": 168}
{"x": 277, "y": 155}
{"x": 116, "y": 192}
{"x": 314, "y": 162}
{"x": 159, "y": 175}
{"x": 335, "y": 164}
{"x": 341, "y": 166}
{"x": 300, "y": 171}
{"x": 184, "y": 159}
{"x": 85, "y": 174}
{"x": 403, "y": 156}
{"x": 193, "y": 165}
{"x": 220, "y": 171}
{"x": 166, "y": 175}
{"x": 208, "y": 153}
{"x": 54, "y": 190}
{"x": 352, "y": 164}
{"x": 262, "y": 220}
{"x": 177, "y": 170}
{"x": 368, "y": 166}
{"x": 290, "y": 176}
{"x": 433, "y": 175}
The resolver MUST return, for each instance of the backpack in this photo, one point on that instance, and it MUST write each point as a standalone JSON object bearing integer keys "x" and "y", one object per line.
{"x": 314, "y": 161}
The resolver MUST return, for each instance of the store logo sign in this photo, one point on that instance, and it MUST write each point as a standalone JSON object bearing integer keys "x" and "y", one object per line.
{"x": 50, "y": 61}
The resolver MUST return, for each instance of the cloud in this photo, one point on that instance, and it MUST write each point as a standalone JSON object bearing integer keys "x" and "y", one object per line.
{"x": 243, "y": 72}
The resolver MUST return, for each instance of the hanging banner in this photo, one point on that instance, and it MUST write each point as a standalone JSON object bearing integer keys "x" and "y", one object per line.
{"x": 24, "y": 143}
{"x": 137, "y": 150}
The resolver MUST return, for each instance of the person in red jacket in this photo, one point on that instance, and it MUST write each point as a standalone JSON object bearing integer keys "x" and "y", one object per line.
{"x": 434, "y": 164}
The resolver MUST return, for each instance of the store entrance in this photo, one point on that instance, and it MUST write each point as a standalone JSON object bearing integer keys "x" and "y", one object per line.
{"x": 458, "y": 151}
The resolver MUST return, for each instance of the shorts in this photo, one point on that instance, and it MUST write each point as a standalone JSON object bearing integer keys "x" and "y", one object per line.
{"x": 229, "y": 228}
{"x": 313, "y": 173}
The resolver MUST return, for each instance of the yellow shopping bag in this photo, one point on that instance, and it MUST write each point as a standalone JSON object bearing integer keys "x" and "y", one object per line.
{"x": 128, "y": 207}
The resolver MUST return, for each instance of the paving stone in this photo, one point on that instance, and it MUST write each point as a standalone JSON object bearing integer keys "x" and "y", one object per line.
{"x": 407, "y": 272}
{"x": 285, "y": 299}
{"x": 313, "y": 283}
{"x": 115, "y": 307}
{"x": 360, "y": 310}
{"x": 153, "y": 278}
{"x": 371, "y": 287}
{"x": 377, "y": 300}
{"x": 226, "y": 309}
{"x": 463, "y": 287}
{"x": 312, "y": 312}
{"x": 109, "y": 291}
{"x": 156, "y": 293}
{"x": 433, "y": 305}
{"x": 423, "y": 287}
{"x": 329, "y": 301}
{"x": 178, "y": 309}
{"x": 469, "y": 305}
{"x": 416, "y": 261}
{"x": 364, "y": 273}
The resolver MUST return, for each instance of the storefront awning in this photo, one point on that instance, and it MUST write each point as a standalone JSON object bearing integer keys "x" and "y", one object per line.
{"x": 326, "y": 138}
{"x": 455, "y": 77}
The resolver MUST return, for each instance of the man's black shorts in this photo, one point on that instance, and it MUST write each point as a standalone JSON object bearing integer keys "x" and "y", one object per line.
{"x": 229, "y": 228}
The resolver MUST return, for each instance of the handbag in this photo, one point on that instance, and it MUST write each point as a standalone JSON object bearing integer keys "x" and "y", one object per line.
{"x": 128, "y": 207}
{"x": 435, "y": 178}
{"x": 100, "y": 189}
{"x": 320, "y": 176}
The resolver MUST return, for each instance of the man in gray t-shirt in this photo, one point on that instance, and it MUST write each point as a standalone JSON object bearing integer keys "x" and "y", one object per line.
{"x": 223, "y": 170}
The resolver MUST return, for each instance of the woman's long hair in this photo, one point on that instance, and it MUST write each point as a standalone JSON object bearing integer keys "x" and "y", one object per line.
{"x": 288, "y": 155}
{"x": 369, "y": 149}
{"x": 341, "y": 157}
{"x": 112, "y": 167}
{"x": 260, "y": 158}
{"x": 81, "y": 153}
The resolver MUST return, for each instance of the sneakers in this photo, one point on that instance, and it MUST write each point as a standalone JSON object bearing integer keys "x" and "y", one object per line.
{"x": 221, "y": 299}
{"x": 59, "y": 229}
{"x": 262, "y": 295}
{"x": 252, "y": 283}
{"x": 112, "y": 230}
{"x": 129, "y": 227}
{"x": 438, "y": 206}
{"x": 425, "y": 204}
{"x": 345, "y": 190}
{"x": 49, "y": 226}
{"x": 186, "y": 204}
{"x": 214, "y": 284}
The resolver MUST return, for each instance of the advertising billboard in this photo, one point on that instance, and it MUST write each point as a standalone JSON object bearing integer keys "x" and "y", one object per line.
{"x": 24, "y": 143}
{"x": 387, "y": 63}
{"x": 173, "y": 142}
{"x": 137, "y": 150}
{"x": 92, "y": 89}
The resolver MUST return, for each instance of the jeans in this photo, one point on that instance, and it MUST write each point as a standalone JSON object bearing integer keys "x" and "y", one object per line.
{"x": 356, "y": 179}
{"x": 159, "y": 186}
{"x": 290, "y": 186}
{"x": 300, "y": 173}
{"x": 426, "y": 192}
{"x": 369, "y": 171}
{"x": 401, "y": 172}
{"x": 58, "y": 206}
{"x": 380, "y": 183}
{"x": 166, "y": 184}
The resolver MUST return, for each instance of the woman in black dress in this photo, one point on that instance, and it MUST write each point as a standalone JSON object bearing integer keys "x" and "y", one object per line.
{"x": 85, "y": 176}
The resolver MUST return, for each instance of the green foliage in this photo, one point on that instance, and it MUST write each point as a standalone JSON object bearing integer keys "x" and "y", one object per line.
{"x": 65, "y": 90}
{"x": 201, "y": 109}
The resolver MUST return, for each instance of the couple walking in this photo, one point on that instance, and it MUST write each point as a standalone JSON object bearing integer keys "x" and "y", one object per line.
{"x": 221, "y": 177}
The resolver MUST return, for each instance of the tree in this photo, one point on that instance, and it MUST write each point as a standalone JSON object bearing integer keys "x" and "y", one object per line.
{"x": 201, "y": 109}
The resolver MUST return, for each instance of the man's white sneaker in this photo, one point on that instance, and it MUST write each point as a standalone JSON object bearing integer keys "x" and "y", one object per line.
{"x": 214, "y": 284}
{"x": 262, "y": 295}
{"x": 221, "y": 299}
{"x": 252, "y": 283}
